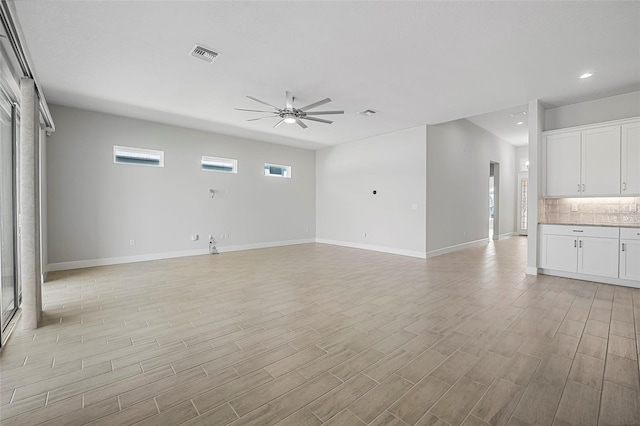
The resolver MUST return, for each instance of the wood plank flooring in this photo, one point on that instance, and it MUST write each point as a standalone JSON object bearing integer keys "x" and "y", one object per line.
{"x": 317, "y": 334}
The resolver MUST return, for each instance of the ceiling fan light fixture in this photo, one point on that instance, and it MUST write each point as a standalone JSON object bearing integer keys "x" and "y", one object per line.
{"x": 290, "y": 115}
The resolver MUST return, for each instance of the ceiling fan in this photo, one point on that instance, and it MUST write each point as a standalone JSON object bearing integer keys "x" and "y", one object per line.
{"x": 291, "y": 115}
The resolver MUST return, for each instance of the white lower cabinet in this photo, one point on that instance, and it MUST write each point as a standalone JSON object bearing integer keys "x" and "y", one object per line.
{"x": 630, "y": 254}
{"x": 598, "y": 256}
{"x": 560, "y": 252}
{"x": 588, "y": 250}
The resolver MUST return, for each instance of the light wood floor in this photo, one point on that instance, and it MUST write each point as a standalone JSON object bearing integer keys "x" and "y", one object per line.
{"x": 317, "y": 334}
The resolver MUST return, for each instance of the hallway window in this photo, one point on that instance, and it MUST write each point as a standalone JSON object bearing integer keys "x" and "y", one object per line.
{"x": 524, "y": 183}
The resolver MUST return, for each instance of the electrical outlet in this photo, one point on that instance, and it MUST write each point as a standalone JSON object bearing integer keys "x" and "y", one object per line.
{"x": 132, "y": 242}
{"x": 195, "y": 237}
{"x": 364, "y": 235}
{"x": 574, "y": 207}
{"x": 210, "y": 236}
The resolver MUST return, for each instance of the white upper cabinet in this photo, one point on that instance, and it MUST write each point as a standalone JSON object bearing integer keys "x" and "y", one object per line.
{"x": 593, "y": 161}
{"x": 601, "y": 161}
{"x": 563, "y": 164}
{"x": 630, "y": 159}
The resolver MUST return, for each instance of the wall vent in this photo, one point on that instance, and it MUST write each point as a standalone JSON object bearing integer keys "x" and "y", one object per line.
{"x": 204, "y": 53}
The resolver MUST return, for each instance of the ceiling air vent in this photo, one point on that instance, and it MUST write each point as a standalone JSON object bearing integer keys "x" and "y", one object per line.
{"x": 204, "y": 53}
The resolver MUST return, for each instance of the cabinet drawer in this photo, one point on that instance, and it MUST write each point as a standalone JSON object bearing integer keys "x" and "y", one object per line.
{"x": 630, "y": 233}
{"x": 581, "y": 231}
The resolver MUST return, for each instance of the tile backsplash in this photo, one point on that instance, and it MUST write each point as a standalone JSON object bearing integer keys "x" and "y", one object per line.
{"x": 591, "y": 211}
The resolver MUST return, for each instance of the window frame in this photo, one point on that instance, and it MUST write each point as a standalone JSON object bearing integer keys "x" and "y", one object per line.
{"x": 234, "y": 162}
{"x": 268, "y": 166}
{"x": 135, "y": 150}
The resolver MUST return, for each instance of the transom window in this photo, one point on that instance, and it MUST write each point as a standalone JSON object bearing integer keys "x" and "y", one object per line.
{"x": 218, "y": 164}
{"x": 138, "y": 156}
{"x": 277, "y": 170}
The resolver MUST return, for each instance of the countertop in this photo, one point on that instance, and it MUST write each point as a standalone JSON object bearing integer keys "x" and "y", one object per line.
{"x": 606, "y": 225}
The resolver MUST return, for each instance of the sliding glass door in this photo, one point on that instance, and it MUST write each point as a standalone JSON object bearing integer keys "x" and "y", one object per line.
{"x": 9, "y": 295}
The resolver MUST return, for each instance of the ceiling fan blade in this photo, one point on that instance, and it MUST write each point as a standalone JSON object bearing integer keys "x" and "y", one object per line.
{"x": 300, "y": 123}
{"x": 259, "y": 118}
{"x": 319, "y": 120}
{"x": 324, "y": 112}
{"x": 288, "y": 100}
{"x": 263, "y": 102}
{"x": 316, "y": 104}
{"x": 278, "y": 123}
{"x": 255, "y": 110}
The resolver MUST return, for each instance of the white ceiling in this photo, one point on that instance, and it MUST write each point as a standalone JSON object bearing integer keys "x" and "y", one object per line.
{"x": 413, "y": 62}
{"x": 504, "y": 124}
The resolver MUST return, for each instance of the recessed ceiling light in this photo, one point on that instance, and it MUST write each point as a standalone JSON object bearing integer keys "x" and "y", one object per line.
{"x": 586, "y": 75}
{"x": 520, "y": 123}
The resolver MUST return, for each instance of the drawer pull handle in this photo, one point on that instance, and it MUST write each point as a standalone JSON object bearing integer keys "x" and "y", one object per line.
{"x": 578, "y": 187}
{"x": 580, "y": 230}
{"x": 574, "y": 243}
{"x": 580, "y": 245}
{"x": 622, "y": 246}
{"x": 624, "y": 186}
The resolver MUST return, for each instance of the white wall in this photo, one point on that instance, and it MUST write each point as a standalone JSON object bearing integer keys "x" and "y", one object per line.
{"x": 605, "y": 109}
{"x": 522, "y": 154}
{"x": 95, "y": 207}
{"x": 394, "y": 165}
{"x": 458, "y": 158}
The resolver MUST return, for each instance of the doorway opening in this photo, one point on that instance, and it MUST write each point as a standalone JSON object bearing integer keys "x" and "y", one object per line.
{"x": 494, "y": 200}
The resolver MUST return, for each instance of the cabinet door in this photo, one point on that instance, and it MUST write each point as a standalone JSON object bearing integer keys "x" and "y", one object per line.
{"x": 601, "y": 161}
{"x": 559, "y": 252}
{"x": 630, "y": 259}
{"x": 598, "y": 256}
{"x": 631, "y": 159}
{"x": 563, "y": 164}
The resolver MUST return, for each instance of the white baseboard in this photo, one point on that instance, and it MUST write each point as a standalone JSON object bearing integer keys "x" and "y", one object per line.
{"x": 265, "y": 245}
{"x": 593, "y": 278}
{"x": 531, "y": 270}
{"x": 391, "y": 250}
{"x": 457, "y": 247}
{"x": 63, "y": 266}
{"x": 507, "y": 235}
